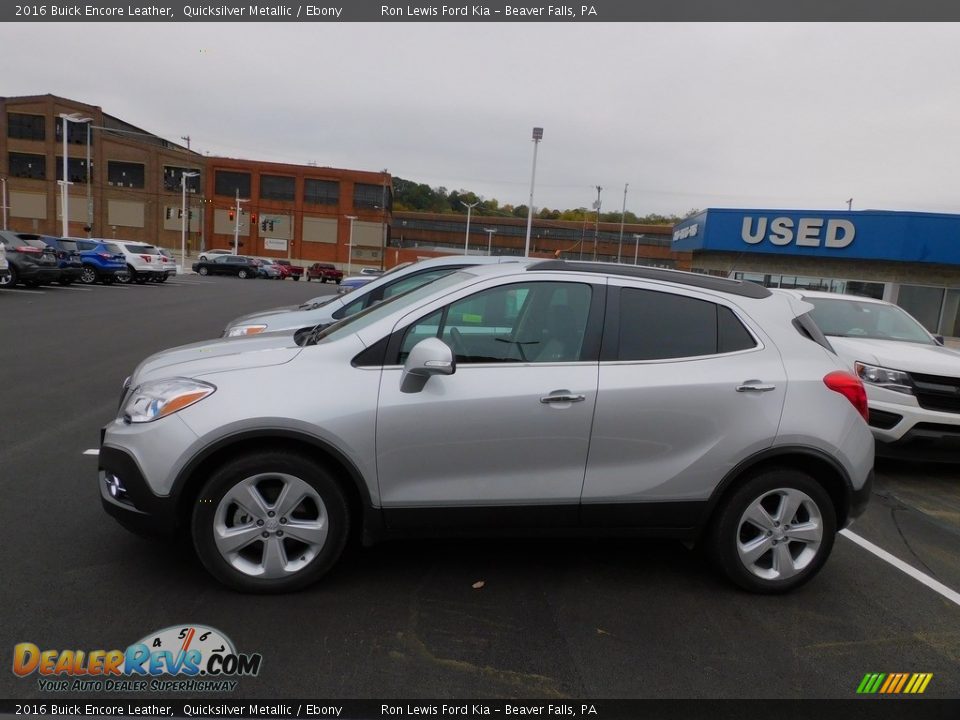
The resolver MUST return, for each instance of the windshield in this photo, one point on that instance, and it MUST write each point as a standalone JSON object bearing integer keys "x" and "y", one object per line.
{"x": 364, "y": 318}
{"x": 855, "y": 319}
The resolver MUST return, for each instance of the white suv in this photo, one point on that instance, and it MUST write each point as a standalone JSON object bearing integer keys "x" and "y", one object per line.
{"x": 912, "y": 380}
{"x": 144, "y": 262}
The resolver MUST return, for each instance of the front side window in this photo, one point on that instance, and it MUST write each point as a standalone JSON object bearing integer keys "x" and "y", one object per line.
{"x": 519, "y": 323}
{"x": 659, "y": 326}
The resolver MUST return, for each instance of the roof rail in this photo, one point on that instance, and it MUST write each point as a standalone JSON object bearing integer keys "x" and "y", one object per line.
{"x": 680, "y": 277}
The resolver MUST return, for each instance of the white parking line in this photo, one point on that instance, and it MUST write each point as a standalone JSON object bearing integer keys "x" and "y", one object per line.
{"x": 951, "y": 595}
{"x": 66, "y": 287}
{"x": 91, "y": 451}
{"x": 30, "y": 292}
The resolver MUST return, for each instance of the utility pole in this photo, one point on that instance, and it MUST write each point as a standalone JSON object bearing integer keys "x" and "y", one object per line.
{"x": 537, "y": 137}
{"x": 187, "y": 138}
{"x": 596, "y": 225}
{"x": 623, "y": 215}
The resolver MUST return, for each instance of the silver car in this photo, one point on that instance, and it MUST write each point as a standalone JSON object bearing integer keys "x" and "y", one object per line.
{"x": 558, "y": 396}
{"x": 330, "y": 308}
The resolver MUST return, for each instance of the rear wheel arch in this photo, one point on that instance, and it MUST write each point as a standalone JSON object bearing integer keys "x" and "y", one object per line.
{"x": 193, "y": 477}
{"x": 826, "y": 471}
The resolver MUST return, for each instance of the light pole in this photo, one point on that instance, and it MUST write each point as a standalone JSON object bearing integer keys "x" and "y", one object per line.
{"x": 89, "y": 187}
{"x": 64, "y": 195}
{"x": 469, "y": 207}
{"x": 623, "y": 215}
{"x": 183, "y": 218}
{"x": 351, "y": 218}
{"x": 636, "y": 248}
{"x": 489, "y": 232}
{"x": 236, "y": 226}
{"x": 537, "y": 137}
{"x": 596, "y": 226}
{"x": 3, "y": 199}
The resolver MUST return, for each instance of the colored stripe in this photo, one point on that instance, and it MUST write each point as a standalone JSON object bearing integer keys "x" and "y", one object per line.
{"x": 862, "y": 687}
{"x": 891, "y": 679}
{"x": 926, "y": 682}
{"x": 900, "y": 684}
{"x": 876, "y": 683}
{"x": 913, "y": 683}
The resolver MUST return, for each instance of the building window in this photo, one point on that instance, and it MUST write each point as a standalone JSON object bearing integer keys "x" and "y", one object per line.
{"x": 76, "y": 132}
{"x": 276, "y": 187}
{"x": 26, "y": 127}
{"x": 172, "y": 175}
{"x": 230, "y": 183}
{"x": 368, "y": 196}
{"x": 125, "y": 174}
{"x": 321, "y": 192}
{"x": 27, "y": 165}
{"x": 76, "y": 169}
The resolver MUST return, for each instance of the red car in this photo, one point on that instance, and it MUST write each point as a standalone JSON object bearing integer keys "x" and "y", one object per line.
{"x": 324, "y": 272}
{"x": 288, "y": 269}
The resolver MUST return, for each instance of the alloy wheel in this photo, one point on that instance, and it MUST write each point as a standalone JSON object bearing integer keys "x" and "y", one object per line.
{"x": 779, "y": 534}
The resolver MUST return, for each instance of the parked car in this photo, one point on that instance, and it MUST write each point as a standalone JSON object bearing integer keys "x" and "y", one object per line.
{"x": 713, "y": 411}
{"x": 68, "y": 257}
{"x": 168, "y": 263}
{"x": 239, "y": 265}
{"x": 4, "y": 265}
{"x": 912, "y": 380}
{"x": 211, "y": 254}
{"x": 354, "y": 282}
{"x": 295, "y": 271}
{"x": 267, "y": 269}
{"x": 324, "y": 272}
{"x": 330, "y": 308}
{"x": 103, "y": 261}
{"x": 371, "y": 271}
{"x": 28, "y": 263}
{"x": 144, "y": 262}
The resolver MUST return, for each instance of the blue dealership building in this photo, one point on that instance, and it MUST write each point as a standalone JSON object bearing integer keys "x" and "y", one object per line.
{"x": 908, "y": 258}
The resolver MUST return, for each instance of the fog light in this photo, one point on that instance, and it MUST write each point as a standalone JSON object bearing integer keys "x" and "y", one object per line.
{"x": 115, "y": 487}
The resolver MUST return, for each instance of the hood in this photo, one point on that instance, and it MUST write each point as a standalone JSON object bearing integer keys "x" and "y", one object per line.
{"x": 213, "y": 356}
{"x": 252, "y": 317}
{"x": 899, "y": 355}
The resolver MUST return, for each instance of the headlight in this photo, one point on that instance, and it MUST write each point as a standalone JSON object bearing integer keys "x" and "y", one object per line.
{"x": 160, "y": 398}
{"x": 884, "y": 377}
{"x": 242, "y": 330}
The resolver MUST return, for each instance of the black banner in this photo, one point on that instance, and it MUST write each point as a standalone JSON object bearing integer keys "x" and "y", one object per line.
{"x": 854, "y": 709}
{"x": 483, "y": 11}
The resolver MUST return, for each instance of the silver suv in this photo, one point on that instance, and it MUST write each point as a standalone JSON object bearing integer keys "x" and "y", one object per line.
{"x": 558, "y": 396}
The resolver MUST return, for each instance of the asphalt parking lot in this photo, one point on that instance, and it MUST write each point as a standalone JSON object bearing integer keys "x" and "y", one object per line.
{"x": 553, "y": 619}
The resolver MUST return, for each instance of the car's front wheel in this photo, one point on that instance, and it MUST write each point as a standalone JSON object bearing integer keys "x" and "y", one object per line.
{"x": 88, "y": 276}
{"x": 775, "y": 532}
{"x": 203, "y": 271}
{"x": 242, "y": 274}
{"x": 270, "y": 522}
{"x": 9, "y": 279}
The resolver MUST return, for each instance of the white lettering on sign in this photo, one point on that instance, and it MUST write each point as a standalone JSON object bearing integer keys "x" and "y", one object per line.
{"x": 688, "y": 231}
{"x": 809, "y": 232}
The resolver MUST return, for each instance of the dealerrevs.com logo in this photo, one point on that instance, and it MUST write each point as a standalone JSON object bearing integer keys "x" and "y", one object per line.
{"x": 180, "y": 658}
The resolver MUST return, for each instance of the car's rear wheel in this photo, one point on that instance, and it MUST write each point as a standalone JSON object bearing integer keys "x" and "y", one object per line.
{"x": 775, "y": 532}
{"x": 88, "y": 276}
{"x": 10, "y": 279}
{"x": 203, "y": 271}
{"x": 129, "y": 277}
{"x": 269, "y": 522}
{"x": 242, "y": 274}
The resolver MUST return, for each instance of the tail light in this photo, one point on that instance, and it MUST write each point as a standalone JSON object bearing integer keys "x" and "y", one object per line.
{"x": 148, "y": 258}
{"x": 106, "y": 256}
{"x": 850, "y": 386}
{"x": 28, "y": 249}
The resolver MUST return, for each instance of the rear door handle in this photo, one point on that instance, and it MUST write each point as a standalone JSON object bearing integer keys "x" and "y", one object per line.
{"x": 755, "y": 386}
{"x": 562, "y": 398}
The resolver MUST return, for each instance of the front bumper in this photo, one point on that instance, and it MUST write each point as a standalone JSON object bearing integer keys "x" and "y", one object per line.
{"x": 126, "y": 496}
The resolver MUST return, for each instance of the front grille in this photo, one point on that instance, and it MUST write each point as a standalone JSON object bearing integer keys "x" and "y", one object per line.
{"x": 937, "y": 392}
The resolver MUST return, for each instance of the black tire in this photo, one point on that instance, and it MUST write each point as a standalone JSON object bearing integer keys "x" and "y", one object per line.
{"x": 10, "y": 279}
{"x": 726, "y": 532}
{"x": 129, "y": 277}
{"x": 242, "y": 274}
{"x": 203, "y": 271}
{"x": 208, "y": 507}
{"x": 88, "y": 275}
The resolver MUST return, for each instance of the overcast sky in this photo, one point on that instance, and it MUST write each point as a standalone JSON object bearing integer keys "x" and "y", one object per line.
{"x": 690, "y": 115}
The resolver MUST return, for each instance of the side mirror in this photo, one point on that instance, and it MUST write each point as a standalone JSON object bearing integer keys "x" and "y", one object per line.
{"x": 428, "y": 357}
{"x": 939, "y": 339}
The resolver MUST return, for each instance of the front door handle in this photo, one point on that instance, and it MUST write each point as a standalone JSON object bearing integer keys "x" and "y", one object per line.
{"x": 562, "y": 397}
{"x": 755, "y": 386}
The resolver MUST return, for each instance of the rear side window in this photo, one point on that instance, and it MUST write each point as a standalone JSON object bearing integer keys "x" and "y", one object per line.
{"x": 659, "y": 326}
{"x": 69, "y": 245}
{"x": 115, "y": 249}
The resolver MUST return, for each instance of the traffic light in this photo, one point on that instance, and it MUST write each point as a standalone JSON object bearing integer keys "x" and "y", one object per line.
{"x": 253, "y": 217}
{"x": 231, "y": 215}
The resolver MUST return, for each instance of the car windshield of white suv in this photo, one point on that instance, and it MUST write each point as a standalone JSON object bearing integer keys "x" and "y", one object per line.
{"x": 853, "y": 319}
{"x": 355, "y": 323}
